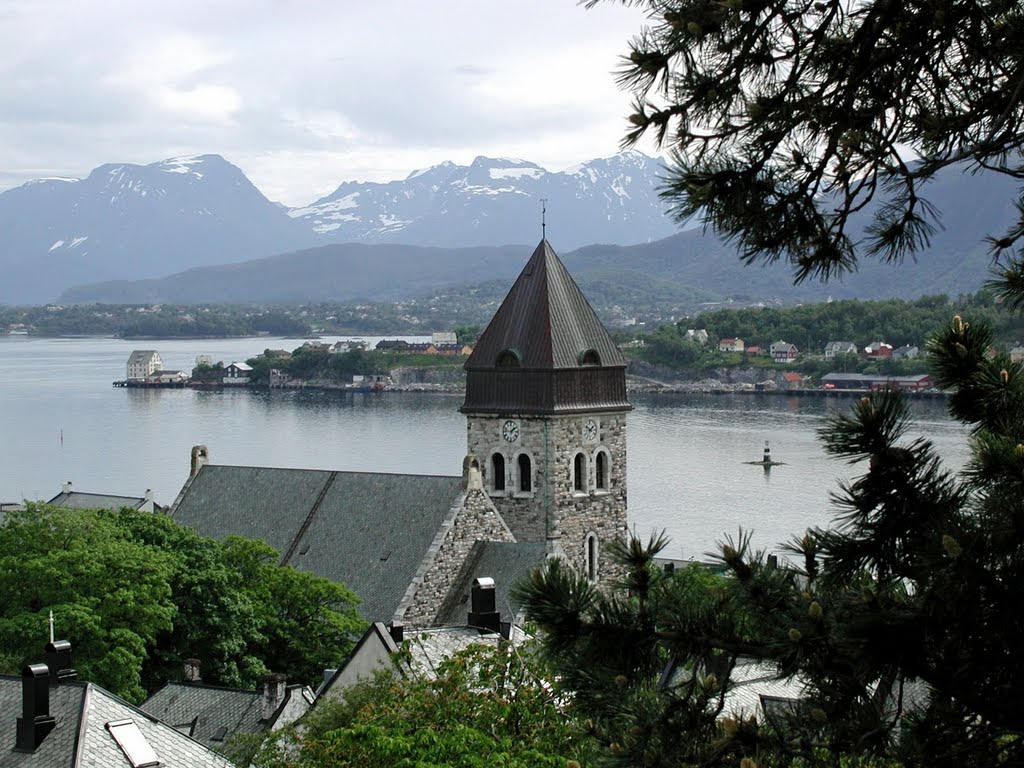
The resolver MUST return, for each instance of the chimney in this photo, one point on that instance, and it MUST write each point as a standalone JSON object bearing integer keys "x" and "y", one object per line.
{"x": 329, "y": 672}
{"x": 58, "y": 661}
{"x": 200, "y": 456}
{"x": 148, "y": 496}
{"x": 274, "y": 687}
{"x": 482, "y": 613}
{"x": 190, "y": 671}
{"x": 35, "y": 722}
{"x": 67, "y": 487}
{"x": 397, "y": 630}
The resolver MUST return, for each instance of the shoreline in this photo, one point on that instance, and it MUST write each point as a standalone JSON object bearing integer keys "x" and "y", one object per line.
{"x": 645, "y": 388}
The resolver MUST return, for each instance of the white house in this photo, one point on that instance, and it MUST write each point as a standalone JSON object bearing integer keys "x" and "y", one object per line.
{"x": 237, "y": 373}
{"x": 834, "y": 348}
{"x": 731, "y": 345}
{"x": 142, "y": 363}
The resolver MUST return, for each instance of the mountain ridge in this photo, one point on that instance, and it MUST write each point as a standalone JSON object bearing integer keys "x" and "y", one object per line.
{"x": 125, "y": 222}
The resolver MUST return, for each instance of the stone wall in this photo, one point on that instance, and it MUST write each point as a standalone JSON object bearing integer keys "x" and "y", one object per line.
{"x": 553, "y": 506}
{"x": 473, "y": 518}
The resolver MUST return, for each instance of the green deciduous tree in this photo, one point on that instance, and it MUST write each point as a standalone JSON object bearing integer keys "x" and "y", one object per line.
{"x": 790, "y": 122}
{"x": 136, "y": 593}
{"x": 487, "y": 706}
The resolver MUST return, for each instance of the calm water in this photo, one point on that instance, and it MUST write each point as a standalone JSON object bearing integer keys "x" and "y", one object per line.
{"x": 60, "y": 419}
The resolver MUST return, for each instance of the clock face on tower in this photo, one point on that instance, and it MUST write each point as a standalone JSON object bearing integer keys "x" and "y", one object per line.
{"x": 590, "y": 430}
{"x": 510, "y": 431}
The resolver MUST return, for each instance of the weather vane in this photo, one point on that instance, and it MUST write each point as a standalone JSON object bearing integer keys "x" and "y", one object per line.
{"x": 543, "y": 217}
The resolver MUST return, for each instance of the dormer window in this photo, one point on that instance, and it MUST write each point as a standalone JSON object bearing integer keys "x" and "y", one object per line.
{"x": 589, "y": 357}
{"x": 508, "y": 358}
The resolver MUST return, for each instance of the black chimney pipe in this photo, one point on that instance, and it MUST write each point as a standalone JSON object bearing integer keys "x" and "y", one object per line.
{"x": 36, "y": 722}
{"x": 58, "y": 659}
{"x": 482, "y": 613}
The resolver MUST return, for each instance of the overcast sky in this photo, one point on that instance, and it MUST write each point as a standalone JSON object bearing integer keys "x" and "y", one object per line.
{"x": 303, "y": 94}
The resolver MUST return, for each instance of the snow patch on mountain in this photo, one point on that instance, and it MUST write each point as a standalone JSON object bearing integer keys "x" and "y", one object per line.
{"x": 182, "y": 165}
{"x": 516, "y": 173}
{"x": 329, "y": 207}
{"x": 73, "y": 243}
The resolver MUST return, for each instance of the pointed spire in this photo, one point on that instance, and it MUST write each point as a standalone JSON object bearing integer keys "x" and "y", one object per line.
{"x": 545, "y": 324}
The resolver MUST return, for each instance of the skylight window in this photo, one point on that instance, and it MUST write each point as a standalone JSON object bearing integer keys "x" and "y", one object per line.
{"x": 134, "y": 745}
{"x": 220, "y": 734}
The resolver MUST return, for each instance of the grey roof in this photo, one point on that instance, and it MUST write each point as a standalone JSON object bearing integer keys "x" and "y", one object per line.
{"x": 546, "y": 320}
{"x": 504, "y": 561}
{"x": 203, "y": 710}
{"x": 142, "y": 355}
{"x": 77, "y": 500}
{"x": 367, "y": 530}
{"x": 428, "y": 648}
{"x": 81, "y": 739}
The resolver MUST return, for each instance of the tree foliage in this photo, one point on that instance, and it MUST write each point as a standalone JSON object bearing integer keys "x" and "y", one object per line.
{"x": 136, "y": 594}
{"x": 900, "y": 620}
{"x": 487, "y": 706}
{"x": 789, "y": 122}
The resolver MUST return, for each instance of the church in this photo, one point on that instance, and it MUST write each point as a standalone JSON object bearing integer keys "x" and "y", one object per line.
{"x": 544, "y": 474}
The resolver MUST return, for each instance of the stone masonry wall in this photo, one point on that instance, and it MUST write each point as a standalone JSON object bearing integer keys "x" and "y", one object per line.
{"x": 552, "y": 444}
{"x": 473, "y": 518}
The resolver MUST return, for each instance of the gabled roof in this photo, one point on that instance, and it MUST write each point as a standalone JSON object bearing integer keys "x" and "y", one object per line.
{"x": 142, "y": 355}
{"x": 210, "y": 714}
{"x": 81, "y": 738}
{"x": 546, "y": 320}
{"x": 77, "y": 500}
{"x": 367, "y": 530}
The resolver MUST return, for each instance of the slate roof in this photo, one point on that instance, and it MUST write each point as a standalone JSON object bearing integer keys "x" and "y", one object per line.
{"x": 205, "y": 711}
{"x": 428, "y": 648}
{"x": 367, "y": 530}
{"x": 545, "y": 351}
{"x": 546, "y": 318}
{"x": 77, "y": 500}
{"x": 141, "y": 356}
{"x": 505, "y": 562}
{"x": 81, "y": 739}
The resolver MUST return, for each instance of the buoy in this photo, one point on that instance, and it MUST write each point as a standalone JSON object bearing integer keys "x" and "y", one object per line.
{"x": 766, "y": 459}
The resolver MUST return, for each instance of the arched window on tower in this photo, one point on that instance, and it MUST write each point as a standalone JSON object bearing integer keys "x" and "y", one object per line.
{"x": 579, "y": 473}
{"x": 525, "y": 473}
{"x": 589, "y": 357}
{"x": 602, "y": 466}
{"x": 498, "y": 472}
{"x": 590, "y": 547}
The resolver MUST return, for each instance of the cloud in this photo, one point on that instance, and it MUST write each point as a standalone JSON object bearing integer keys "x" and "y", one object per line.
{"x": 305, "y": 95}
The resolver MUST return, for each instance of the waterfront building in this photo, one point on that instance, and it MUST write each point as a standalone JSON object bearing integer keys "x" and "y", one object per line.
{"x": 142, "y": 363}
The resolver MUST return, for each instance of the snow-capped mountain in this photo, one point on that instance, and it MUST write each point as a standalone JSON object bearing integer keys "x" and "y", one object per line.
{"x": 129, "y": 221}
{"x": 495, "y": 201}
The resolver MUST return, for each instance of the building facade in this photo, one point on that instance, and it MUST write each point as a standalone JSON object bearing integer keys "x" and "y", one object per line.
{"x": 546, "y": 417}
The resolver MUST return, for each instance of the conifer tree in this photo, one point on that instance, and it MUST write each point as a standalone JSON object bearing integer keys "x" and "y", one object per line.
{"x": 792, "y": 124}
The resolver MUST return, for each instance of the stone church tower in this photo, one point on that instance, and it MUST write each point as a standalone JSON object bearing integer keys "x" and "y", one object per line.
{"x": 546, "y": 417}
